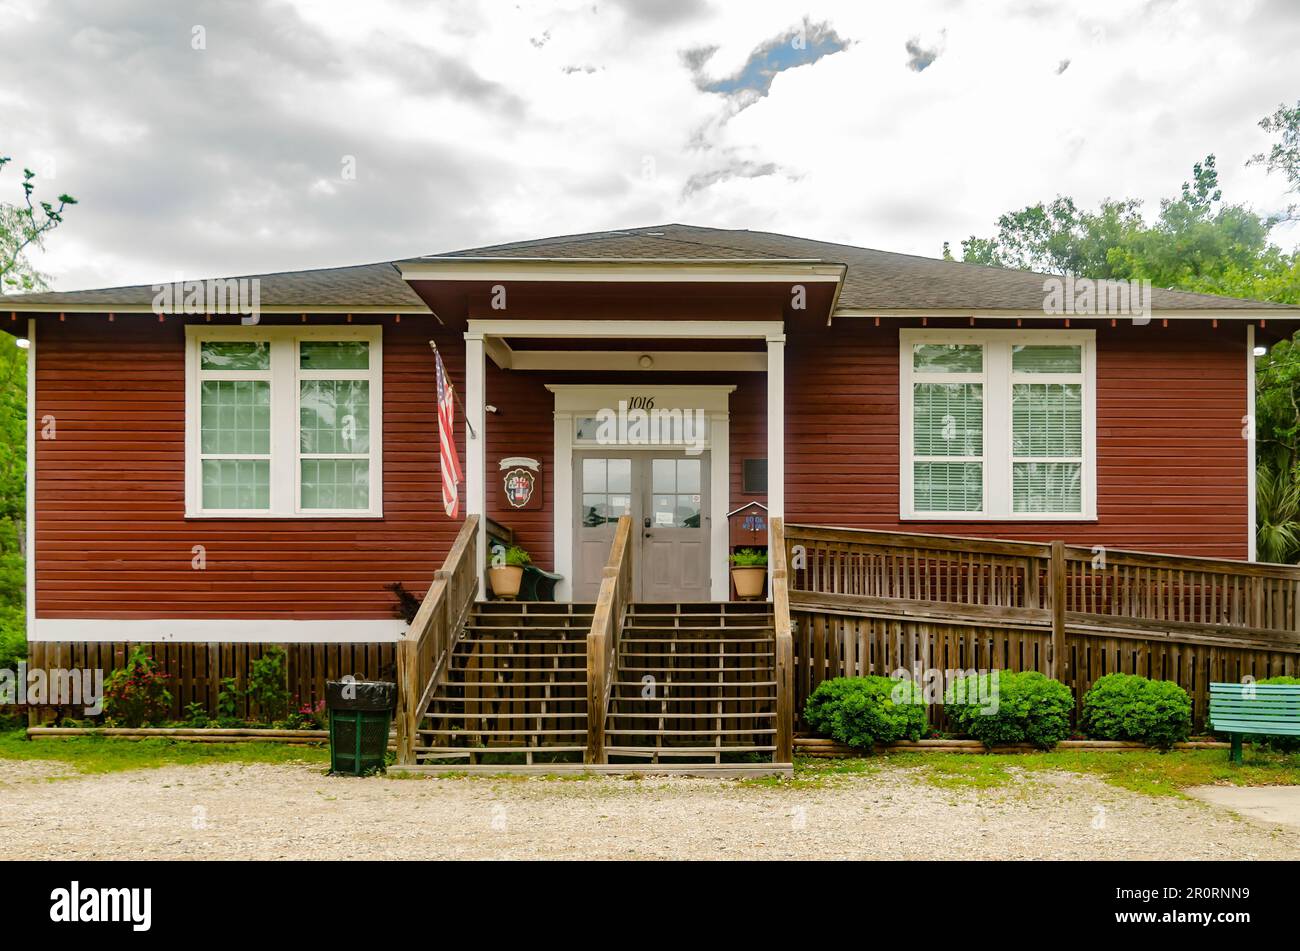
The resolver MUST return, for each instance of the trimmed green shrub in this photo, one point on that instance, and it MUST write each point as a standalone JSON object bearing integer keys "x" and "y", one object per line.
{"x": 1003, "y": 708}
{"x": 1134, "y": 708}
{"x": 1283, "y": 744}
{"x": 864, "y": 711}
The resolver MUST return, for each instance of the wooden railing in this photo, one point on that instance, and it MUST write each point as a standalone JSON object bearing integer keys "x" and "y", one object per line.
{"x": 875, "y": 601}
{"x": 784, "y": 643}
{"x": 602, "y": 640}
{"x": 970, "y": 578}
{"x": 423, "y": 651}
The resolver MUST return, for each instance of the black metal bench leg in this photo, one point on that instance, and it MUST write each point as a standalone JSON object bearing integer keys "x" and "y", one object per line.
{"x": 1235, "y": 754}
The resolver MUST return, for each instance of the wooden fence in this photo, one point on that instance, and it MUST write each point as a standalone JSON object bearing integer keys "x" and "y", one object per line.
{"x": 867, "y": 602}
{"x": 196, "y": 670}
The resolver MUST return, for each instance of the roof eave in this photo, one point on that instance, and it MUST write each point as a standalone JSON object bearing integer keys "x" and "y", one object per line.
{"x": 624, "y": 270}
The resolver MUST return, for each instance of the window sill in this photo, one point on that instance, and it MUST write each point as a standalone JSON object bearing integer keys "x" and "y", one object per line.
{"x": 936, "y": 518}
{"x": 281, "y": 516}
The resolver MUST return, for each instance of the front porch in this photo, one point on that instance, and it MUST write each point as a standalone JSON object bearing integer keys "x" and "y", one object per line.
{"x": 639, "y": 423}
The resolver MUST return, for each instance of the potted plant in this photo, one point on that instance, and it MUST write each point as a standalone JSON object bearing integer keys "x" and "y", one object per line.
{"x": 506, "y": 571}
{"x": 748, "y": 572}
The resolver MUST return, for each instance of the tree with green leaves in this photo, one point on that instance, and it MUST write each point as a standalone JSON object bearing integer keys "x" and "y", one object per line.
{"x": 23, "y": 225}
{"x": 1284, "y": 156}
{"x": 1197, "y": 242}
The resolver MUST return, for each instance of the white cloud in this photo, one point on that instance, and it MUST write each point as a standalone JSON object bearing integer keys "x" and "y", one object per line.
{"x": 466, "y": 132}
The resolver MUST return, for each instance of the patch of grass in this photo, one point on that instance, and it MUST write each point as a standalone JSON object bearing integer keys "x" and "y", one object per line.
{"x": 98, "y": 754}
{"x": 1148, "y": 772}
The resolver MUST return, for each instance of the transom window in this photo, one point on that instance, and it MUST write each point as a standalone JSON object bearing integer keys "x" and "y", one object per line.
{"x": 997, "y": 424}
{"x": 283, "y": 421}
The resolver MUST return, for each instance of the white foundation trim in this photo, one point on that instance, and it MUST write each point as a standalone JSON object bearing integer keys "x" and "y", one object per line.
{"x": 215, "y": 630}
{"x": 1252, "y": 514}
{"x": 577, "y": 400}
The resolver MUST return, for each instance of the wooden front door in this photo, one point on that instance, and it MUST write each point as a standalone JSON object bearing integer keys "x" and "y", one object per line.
{"x": 666, "y": 495}
{"x": 674, "y": 562}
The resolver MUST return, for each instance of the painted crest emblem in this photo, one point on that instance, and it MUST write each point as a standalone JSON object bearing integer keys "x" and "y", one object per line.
{"x": 520, "y": 485}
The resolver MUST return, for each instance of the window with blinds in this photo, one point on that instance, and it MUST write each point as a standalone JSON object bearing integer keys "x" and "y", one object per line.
{"x": 283, "y": 421}
{"x": 996, "y": 424}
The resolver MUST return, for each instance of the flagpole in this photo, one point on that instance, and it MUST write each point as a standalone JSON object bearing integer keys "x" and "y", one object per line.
{"x": 456, "y": 396}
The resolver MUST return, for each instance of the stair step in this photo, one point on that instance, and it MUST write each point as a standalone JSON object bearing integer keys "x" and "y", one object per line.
{"x": 687, "y": 716}
{"x": 708, "y": 683}
{"x": 457, "y": 752}
{"x": 517, "y": 684}
{"x": 625, "y": 732}
{"x": 683, "y": 750}
{"x": 529, "y": 641}
{"x": 425, "y": 731}
{"x": 691, "y": 655}
{"x": 581, "y": 715}
{"x": 628, "y": 641}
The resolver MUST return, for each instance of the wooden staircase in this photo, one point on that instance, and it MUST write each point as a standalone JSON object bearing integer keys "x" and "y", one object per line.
{"x": 694, "y": 683}
{"x": 607, "y": 687}
{"x": 514, "y": 690}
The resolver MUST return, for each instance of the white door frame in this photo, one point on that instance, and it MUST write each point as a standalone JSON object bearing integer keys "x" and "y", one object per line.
{"x": 573, "y": 401}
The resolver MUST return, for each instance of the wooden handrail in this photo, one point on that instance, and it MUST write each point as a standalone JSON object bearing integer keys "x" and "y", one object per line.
{"x": 423, "y": 650}
{"x": 1018, "y": 580}
{"x": 603, "y": 638}
{"x": 784, "y": 642}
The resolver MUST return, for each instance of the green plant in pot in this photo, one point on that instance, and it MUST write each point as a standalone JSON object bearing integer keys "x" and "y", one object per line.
{"x": 748, "y": 572}
{"x": 506, "y": 571}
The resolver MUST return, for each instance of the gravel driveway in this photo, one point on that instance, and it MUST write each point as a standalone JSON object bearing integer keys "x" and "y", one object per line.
{"x": 258, "y": 811}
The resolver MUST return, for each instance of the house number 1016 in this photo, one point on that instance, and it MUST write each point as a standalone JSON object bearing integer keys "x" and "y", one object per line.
{"x": 641, "y": 402}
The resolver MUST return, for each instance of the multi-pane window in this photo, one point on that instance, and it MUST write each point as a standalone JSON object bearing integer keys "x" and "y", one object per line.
{"x": 235, "y": 424}
{"x": 606, "y": 490}
{"x": 675, "y": 492}
{"x": 996, "y": 424}
{"x": 283, "y": 421}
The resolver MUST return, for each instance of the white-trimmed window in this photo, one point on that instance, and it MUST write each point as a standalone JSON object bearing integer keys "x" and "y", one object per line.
{"x": 998, "y": 424}
{"x": 283, "y": 421}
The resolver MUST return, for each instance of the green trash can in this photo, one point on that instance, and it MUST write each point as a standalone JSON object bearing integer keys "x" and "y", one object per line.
{"x": 360, "y": 714}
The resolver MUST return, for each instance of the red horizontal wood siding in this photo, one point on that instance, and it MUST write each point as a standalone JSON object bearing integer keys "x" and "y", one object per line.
{"x": 1172, "y": 472}
{"x": 112, "y": 540}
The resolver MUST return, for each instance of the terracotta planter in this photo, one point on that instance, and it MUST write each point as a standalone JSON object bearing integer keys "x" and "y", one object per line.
{"x": 505, "y": 581}
{"x": 749, "y": 581}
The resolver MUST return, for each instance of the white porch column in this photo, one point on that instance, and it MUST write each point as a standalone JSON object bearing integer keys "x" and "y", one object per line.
{"x": 775, "y": 435}
{"x": 475, "y": 447}
{"x": 776, "y": 425}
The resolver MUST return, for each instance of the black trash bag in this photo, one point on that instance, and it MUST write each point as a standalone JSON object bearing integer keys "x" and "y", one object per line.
{"x": 360, "y": 695}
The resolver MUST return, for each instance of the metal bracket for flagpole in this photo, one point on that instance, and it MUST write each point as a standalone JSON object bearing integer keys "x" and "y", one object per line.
{"x": 456, "y": 397}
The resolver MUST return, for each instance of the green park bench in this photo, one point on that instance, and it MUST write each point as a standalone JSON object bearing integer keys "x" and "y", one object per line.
{"x": 1254, "y": 709}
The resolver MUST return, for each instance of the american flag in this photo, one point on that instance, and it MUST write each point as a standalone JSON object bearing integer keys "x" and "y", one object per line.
{"x": 448, "y": 458}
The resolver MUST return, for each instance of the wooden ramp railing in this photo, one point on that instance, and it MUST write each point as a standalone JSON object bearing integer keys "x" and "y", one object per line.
{"x": 602, "y": 641}
{"x": 423, "y": 651}
{"x": 876, "y": 601}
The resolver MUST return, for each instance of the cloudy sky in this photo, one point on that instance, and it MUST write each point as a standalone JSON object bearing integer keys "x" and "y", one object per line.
{"x": 213, "y": 138}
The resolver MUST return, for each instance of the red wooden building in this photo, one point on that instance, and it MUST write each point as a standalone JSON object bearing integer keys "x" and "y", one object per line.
{"x": 199, "y": 479}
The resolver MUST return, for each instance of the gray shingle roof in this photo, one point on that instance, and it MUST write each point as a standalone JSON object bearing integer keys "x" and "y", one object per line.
{"x": 875, "y": 280}
{"x": 362, "y": 285}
